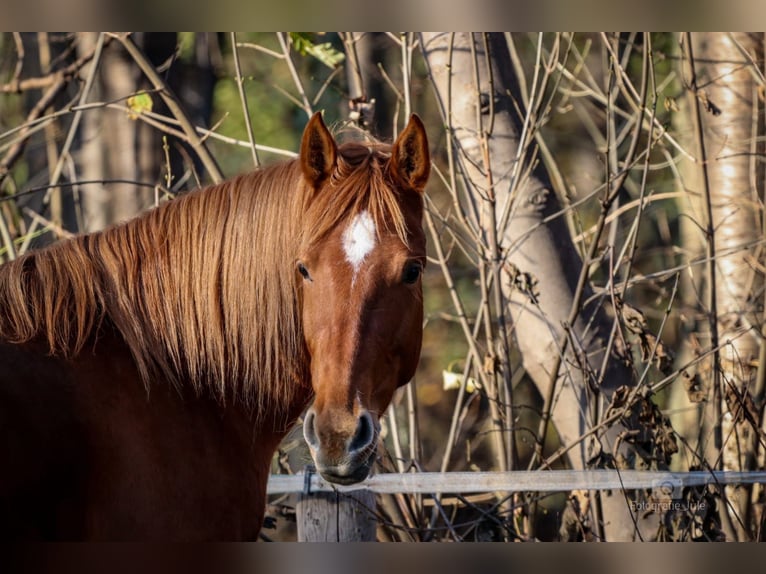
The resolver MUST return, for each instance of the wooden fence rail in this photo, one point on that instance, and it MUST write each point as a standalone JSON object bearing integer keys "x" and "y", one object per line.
{"x": 516, "y": 481}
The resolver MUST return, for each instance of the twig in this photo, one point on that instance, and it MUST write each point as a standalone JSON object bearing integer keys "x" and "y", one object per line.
{"x": 173, "y": 105}
{"x": 73, "y": 127}
{"x": 306, "y": 105}
{"x": 5, "y": 234}
{"x": 42, "y": 104}
{"x": 243, "y": 100}
{"x": 17, "y": 85}
{"x": 54, "y": 195}
{"x": 491, "y": 259}
{"x": 60, "y": 232}
{"x": 612, "y": 192}
{"x": 19, "y": 43}
{"x": 40, "y": 188}
{"x": 260, "y": 48}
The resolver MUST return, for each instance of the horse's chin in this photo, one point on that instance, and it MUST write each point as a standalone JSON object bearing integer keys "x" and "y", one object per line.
{"x": 358, "y": 474}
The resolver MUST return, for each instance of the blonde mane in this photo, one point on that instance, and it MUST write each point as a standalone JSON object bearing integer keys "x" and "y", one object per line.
{"x": 203, "y": 289}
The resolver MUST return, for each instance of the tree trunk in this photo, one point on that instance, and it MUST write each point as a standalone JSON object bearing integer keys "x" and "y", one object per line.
{"x": 724, "y": 71}
{"x": 484, "y": 114}
{"x": 369, "y": 104}
{"x": 95, "y": 198}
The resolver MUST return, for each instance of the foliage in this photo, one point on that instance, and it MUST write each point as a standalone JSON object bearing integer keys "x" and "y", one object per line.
{"x": 324, "y": 52}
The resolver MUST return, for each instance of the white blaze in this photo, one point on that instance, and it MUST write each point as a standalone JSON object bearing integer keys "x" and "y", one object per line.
{"x": 359, "y": 240}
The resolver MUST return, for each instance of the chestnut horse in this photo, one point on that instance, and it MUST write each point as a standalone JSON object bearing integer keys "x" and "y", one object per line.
{"x": 149, "y": 371}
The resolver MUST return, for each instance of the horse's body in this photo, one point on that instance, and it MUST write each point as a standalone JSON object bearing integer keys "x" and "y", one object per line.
{"x": 90, "y": 456}
{"x": 148, "y": 372}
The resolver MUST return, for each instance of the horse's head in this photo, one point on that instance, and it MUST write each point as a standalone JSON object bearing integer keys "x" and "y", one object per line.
{"x": 360, "y": 278}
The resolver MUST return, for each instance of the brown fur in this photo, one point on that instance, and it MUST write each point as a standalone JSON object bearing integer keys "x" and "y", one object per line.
{"x": 206, "y": 293}
{"x": 202, "y": 288}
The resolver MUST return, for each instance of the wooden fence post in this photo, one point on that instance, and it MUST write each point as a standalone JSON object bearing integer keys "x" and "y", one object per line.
{"x": 337, "y": 516}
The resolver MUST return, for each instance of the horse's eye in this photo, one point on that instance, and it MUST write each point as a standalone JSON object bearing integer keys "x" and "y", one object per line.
{"x": 412, "y": 273}
{"x": 303, "y": 271}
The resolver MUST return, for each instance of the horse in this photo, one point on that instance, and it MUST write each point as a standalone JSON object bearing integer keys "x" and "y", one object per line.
{"x": 149, "y": 371}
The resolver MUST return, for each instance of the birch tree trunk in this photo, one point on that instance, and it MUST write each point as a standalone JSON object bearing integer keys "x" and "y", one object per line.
{"x": 562, "y": 330}
{"x": 726, "y": 76}
{"x": 95, "y": 199}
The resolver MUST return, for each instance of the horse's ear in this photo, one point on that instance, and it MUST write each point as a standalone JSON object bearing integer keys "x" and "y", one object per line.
{"x": 318, "y": 151}
{"x": 410, "y": 160}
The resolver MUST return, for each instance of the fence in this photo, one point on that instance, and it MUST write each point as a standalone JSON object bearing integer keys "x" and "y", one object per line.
{"x": 324, "y": 516}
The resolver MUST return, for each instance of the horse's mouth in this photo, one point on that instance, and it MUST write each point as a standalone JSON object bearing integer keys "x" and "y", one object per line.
{"x": 344, "y": 475}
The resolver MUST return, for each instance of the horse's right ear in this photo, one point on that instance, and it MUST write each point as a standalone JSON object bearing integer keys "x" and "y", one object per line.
{"x": 318, "y": 151}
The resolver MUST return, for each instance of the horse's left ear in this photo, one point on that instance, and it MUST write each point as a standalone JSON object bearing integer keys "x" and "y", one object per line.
{"x": 318, "y": 151}
{"x": 410, "y": 160}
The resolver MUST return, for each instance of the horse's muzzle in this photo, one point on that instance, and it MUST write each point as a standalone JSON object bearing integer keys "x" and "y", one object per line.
{"x": 342, "y": 457}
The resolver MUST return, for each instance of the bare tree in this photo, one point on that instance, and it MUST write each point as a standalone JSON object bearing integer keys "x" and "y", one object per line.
{"x": 724, "y": 74}
{"x": 540, "y": 292}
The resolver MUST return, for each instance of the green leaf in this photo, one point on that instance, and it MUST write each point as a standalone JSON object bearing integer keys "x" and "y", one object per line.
{"x": 138, "y": 104}
{"x": 186, "y": 41}
{"x": 324, "y": 52}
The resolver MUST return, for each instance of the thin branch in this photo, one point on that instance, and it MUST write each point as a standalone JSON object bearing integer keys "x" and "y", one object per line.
{"x": 173, "y": 105}
{"x": 243, "y": 100}
{"x": 60, "y": 81}
{"x": 306, "y": 105}
{"x": 613, "y": 190}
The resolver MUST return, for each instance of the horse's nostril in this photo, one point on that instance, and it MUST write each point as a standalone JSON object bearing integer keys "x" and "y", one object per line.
{"x": 309, "y": 432}
{"x": 364, "y": 434}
